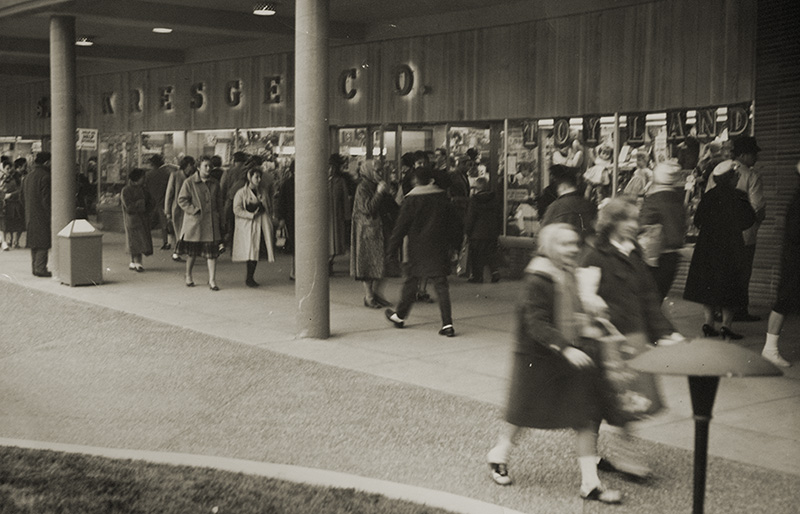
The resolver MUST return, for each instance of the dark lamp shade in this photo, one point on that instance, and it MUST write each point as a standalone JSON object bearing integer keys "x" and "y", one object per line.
{"x": 704, "y": 358}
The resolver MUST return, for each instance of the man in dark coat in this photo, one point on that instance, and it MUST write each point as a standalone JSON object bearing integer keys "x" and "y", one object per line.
{"x": 36, "y": 195}
{"x": 570, "y": 206}
{"x": 434, "y": 229}
{"x": 483, "y": 226}
{"x": 232, "y": 180}
{"x": 156, "y": 181}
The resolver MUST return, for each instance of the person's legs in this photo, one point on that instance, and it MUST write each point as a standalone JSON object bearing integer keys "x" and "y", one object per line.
{"x": 443, "y": 293}
{"x": 727, "y": 321}
{"x": 477, "y": 261}
{"x": 251, "y": 271}
{"x": 498, "y": 456}
{"x": 407, "y": 296}
{"x": 39, "y": 262}
{"x": 591, "y": 487}
{"x": 189, "y": 265}
{"x": 664, "y": 274}
{"x": 212, "y": 273}
{"x": 770, "y": 350}
{"x": 369, "y": 292}
{"x": 3, "y": 242}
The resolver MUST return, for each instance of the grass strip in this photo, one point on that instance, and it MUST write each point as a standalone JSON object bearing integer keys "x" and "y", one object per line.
{"x": 44, "y": 482}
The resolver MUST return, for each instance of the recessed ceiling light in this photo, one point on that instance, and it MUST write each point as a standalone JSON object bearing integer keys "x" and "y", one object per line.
{"x": 84, "y": 41}
{"x": 264, "y": 9}
{"x": 162, "y": 30}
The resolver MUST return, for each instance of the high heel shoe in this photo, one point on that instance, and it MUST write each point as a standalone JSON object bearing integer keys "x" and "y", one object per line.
{"x": 709, "y": 331}
{"x": 727, "y": 333}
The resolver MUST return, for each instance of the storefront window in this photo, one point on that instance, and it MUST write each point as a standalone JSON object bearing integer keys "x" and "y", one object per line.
{"x": 171, "y": 145}
{"x": 211, "y": 142}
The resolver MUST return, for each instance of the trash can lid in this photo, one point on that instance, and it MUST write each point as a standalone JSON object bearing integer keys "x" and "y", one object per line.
{"x": 79, "y": 228}
{"x": 704, "y": 357}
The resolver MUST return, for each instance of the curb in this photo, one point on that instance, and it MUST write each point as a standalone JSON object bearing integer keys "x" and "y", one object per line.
{"x": 311, "y": 476}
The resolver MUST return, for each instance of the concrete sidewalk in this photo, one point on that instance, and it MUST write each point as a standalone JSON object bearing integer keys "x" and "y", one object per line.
{"x": 756, "y": 420}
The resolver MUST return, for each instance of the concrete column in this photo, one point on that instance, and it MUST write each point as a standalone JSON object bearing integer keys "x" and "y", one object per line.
{"x": 311, "y": 168}
{"x": 62, "y": 100}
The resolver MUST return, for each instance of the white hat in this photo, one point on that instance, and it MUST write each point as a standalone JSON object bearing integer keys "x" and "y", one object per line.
{"x": 667, "y": 173}
{"x": 723, "y": 168}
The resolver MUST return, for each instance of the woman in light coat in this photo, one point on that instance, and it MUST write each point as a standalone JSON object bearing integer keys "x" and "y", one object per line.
{"x": 201, "y": 201}
{"x": 252, "y": 210}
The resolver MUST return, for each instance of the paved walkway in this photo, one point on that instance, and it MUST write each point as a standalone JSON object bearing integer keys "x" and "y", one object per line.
{"x": 757, "y": 420}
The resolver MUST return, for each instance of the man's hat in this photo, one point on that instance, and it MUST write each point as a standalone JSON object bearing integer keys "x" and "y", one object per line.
{"x": 745, "y": 144}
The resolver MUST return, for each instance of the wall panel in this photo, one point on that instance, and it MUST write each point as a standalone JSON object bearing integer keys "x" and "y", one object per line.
{"x": 652, "y": 56}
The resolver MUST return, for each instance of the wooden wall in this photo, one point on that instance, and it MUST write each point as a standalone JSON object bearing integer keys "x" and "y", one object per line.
{"x": 646, "y": 57}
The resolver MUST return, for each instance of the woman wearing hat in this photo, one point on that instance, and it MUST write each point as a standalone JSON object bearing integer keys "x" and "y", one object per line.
{"x": 663, "y": 205}
{"x": 719, "y": 259}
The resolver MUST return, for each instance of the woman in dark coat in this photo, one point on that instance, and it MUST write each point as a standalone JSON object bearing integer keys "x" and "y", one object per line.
{"x": 136, "y": 209}
{"x": 555, "y": 382}
{"x": 12, "y": 217}
{"x": 634, "y": 308}
{"x": 719, "y": 258}
{"x": 368, "y": 241}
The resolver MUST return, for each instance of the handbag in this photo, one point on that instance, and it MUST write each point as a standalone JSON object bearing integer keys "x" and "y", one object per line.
{"x": 280, "y": 238}
{"x": 651, "y": 242}
{"x": 632, "y": 395}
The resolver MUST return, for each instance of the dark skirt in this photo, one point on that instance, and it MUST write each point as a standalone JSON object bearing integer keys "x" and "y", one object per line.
{"x": 547, "y": 392}
{"x": 14, "y": 218}
{"x": 206, "y": 249}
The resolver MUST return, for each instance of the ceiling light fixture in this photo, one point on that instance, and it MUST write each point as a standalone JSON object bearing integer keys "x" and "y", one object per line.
{"x": 162, "y": 30}
{"x": 264, "y": 9}
{"x": 85, "y": 41}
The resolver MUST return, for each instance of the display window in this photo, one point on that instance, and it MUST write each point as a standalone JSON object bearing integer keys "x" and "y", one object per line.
{"x": 170, "y": 144}
{"x": 211, "y": 142}
{"x": 614, "y": 155}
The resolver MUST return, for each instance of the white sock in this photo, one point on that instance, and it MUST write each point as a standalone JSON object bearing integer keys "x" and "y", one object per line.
{"x": 589, "y": 478}
{"x": 771, "y": 345}
{"x": 499, "y": 454}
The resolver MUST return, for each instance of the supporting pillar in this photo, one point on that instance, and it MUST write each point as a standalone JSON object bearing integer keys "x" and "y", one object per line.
{"x": 311, "y": 168}
{"x": 62, "y": 100}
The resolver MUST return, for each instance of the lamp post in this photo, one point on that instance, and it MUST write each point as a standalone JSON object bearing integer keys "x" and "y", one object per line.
{"x": 704, "y": 361}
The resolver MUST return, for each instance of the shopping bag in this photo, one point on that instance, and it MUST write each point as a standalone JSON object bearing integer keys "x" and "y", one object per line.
{"x": 633, "y": 395}
{"x": 280, "y": 238}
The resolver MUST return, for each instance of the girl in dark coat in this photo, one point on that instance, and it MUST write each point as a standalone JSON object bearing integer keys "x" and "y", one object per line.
{"x": 136, "y": 209}
{"x": 719, "y": 258}
{"x": 555, "y": 382}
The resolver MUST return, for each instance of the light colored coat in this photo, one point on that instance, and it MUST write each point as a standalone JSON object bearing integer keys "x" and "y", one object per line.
{"x": 251, "y": 227}
{"x": 202, "y": 204}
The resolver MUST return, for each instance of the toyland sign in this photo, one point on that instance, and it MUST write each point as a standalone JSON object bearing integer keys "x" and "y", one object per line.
{"x": 708, "y": 124}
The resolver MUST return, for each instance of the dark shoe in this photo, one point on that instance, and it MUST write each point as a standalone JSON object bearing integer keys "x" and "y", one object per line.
{"x": 424, "y": 298}
{"x": 500, "y": 473}
{"x": 383, "y": 302}
{"x": 190, "y": 284}
{"x": 393, "y": 318}
{"x": 746, "y": 317}
{"x": 709, "y": 331}
{"x": 139, "y": 268}
{"x": 177, "y": 258}
{"x": 727, "y": 333}
{"x": 372, "y": 304}
{"x": 166, "y": 246}
{"x": 213, "y": 288}
{"x": 602, "y": 495}
{"x": 495, "y": 278}
{"x": 45, "y": 274}
{"x": 631, "y": 471}
{"x": 251, "y": 283}
{"x": 447, "y": 331}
